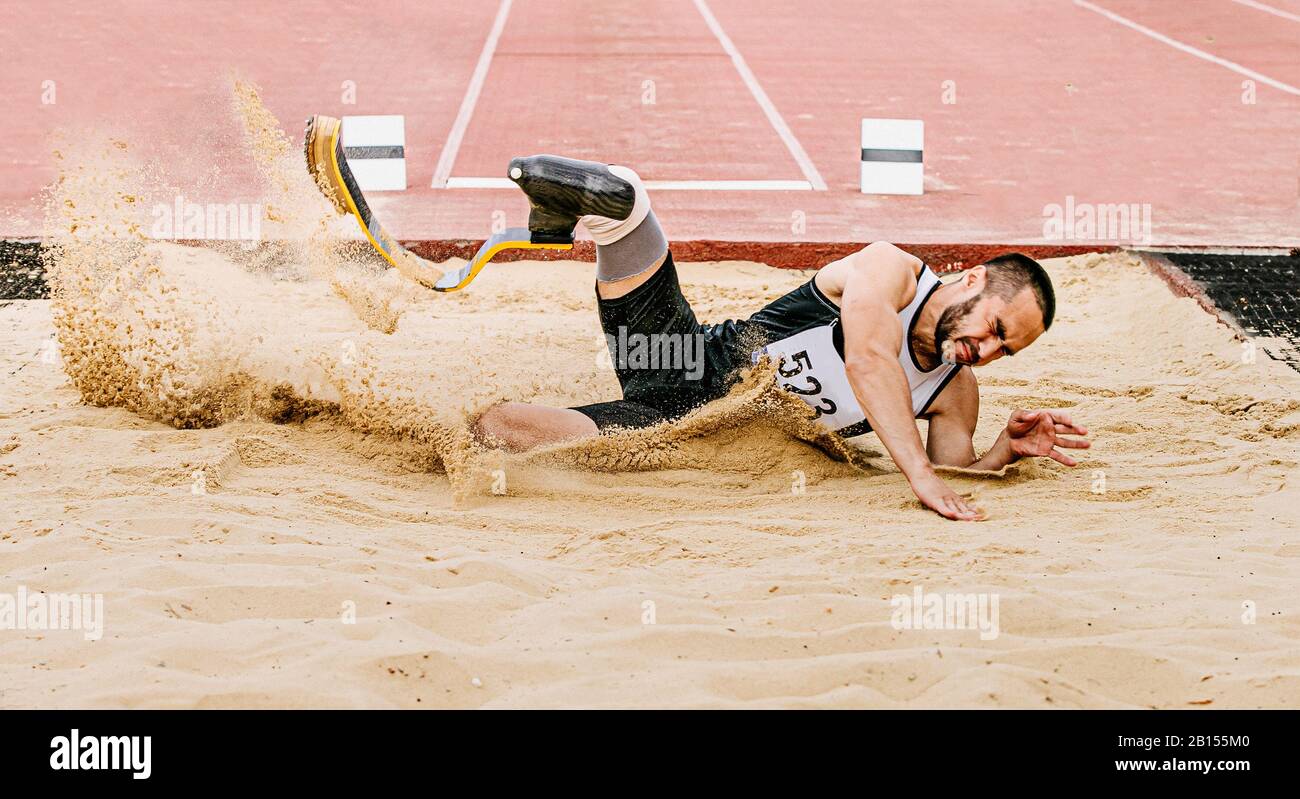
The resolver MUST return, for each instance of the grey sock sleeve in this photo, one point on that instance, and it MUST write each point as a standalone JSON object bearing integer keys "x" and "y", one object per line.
{"x": 636, "y": 252}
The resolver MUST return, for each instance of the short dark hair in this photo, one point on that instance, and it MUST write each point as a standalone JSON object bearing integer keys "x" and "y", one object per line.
{"x": 1009, "y": 274}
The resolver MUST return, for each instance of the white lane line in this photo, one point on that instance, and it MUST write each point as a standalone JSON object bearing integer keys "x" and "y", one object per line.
{"x": 1160, "y": 37}
{"x": 805, "y": 163}
{"x": 1269, "y": 9}
{"x": 657, "y": 185}
{"x": 449, "y": 150}
{"x": 730, "y": 185}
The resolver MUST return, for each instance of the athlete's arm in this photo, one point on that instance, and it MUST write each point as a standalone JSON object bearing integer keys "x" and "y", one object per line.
{"x": 953, "y": 417}
{"x": 1027, "y": 434}
{"x": 878, "y": 282}
{"x": 950, "y": 441}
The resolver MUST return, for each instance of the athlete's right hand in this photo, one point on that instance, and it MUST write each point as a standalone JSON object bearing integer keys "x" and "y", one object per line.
{"x": 935, "y": 494}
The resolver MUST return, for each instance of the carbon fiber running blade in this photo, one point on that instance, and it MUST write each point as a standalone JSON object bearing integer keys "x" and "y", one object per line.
{"x": 323, "y": 145}
{"x": 511, "y": 238}
{"x": 328, "y": 164}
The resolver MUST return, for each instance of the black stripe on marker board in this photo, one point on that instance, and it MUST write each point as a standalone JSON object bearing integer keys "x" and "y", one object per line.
{"x": 396, "y": 151}
{"x": 893, "y": 156}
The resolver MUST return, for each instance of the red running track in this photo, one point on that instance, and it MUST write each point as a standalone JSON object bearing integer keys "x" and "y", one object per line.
{"x": 1026, "y": 103}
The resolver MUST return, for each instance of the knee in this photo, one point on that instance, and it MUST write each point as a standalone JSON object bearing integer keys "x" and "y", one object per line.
{"x": 500, "y": 425}
{"x": 630, "y": 175}
{"x": 518, "y": 426}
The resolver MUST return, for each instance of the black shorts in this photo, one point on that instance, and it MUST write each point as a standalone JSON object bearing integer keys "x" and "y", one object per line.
{"x": 666, "y": 361}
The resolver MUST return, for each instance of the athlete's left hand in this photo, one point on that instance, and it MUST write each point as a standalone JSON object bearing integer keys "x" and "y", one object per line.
{"x": 1039, "y": 433}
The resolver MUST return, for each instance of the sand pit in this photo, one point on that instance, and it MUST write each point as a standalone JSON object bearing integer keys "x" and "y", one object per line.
{"x": 260, "y": 459}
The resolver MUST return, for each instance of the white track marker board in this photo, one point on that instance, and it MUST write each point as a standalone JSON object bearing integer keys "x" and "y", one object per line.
{"x": 891, "y": 156}
{"x": 375, "y": 147}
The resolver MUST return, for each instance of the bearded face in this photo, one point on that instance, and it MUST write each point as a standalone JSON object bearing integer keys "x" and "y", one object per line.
{"x": 953, "y": 347}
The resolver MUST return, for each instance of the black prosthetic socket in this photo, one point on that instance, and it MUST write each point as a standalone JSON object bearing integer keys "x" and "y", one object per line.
{"x": 561, "y": 190}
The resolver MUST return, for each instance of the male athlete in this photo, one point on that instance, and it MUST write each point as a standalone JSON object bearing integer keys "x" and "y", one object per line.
{"x": 872, "y": 342}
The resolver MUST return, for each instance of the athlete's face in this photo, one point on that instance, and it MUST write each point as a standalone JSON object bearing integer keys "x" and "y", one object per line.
{"x": 982, "y": 327}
